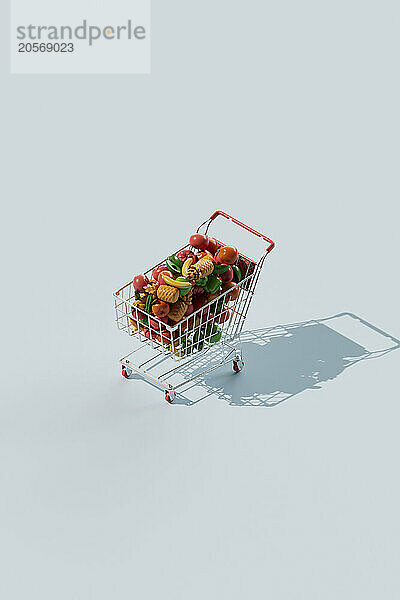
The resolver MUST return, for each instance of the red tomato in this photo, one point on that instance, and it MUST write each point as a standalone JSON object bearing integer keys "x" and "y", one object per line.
{"x": 212, "y": 246}
{"x": 233, "y": 294}
{"x": 185, "y": 254}
{"x": 160, "y": 309}
{"x": 227, "y": 255}
{"x": 157, "y": 271}
{"x": 139, "y": 282}
{"x": 161, "y": 280}
{"x": 198, "y": 240}
{"x": 227, "y": 276}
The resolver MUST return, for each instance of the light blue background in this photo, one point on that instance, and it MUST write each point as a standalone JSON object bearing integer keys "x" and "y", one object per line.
{"x": 285, "y": 114}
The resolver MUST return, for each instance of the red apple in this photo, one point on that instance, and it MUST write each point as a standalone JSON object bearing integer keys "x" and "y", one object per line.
{"x": 198, "y": 240}
{"x": 157, "y": 271}
{"x": 227, "y": 276}
{"x": 212, "y": 246}
{"x": 139, "y": 282}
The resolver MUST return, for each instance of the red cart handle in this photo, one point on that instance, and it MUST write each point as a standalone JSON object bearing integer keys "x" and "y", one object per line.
{"x": 234, "y": 220}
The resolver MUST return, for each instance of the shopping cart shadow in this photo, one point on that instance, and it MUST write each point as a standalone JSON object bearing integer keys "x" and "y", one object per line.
{"x": 284, "y": 361}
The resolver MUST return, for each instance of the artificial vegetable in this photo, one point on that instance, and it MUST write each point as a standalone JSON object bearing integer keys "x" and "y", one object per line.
{"x": 176, "y": 283}
{"x": 227, "y": 276}
{"x": 212, "y": 246}
{"x": 234, "y": 293}
{"x": 157, "y": 270}
{"x": 213, "y": 284}
{"x": 220, "y": 269}
{"x": 139, "y": 282}
{"x": 174, "y": 264}
{"x": 191, "y": 280}
{"x": 216, "y": 334}
{"x": 186, "y": 265}
{"x": 227, "y": 255}
{"x": 184, "y": 254}
{"x": 160, "y": 309}
{"x": 237, "y": 274}
{"x": 177, "y": 311}
{"x": 161, "y": 279}
{"x": 171, "y": 267}
{"x": 202, "y": 282}
{"x": 149, "y": 300}
{"x": 203, "y": 268}
{"x": 167, "y": 293}
{"x": 198, "y": 240}
{"x": 185, "y": 290}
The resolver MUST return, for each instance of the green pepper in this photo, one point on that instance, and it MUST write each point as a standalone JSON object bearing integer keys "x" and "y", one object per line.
{"x": 202, "y": 281}
{"x": 213, "y": 284}
{"x": 220, "y": 269}
{"x": 198, "y": 339}
{"x": 213, "y": 334}
{"x": 149, "y": 300}
{"x": 216, "y": 336}
{"x": 172, "y": 264}
{"x": 237, "y": 274}
{"x": 184, "y": 291}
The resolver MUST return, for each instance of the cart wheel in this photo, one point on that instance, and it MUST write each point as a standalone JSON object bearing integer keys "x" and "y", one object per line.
{"x": 237, "y": 365}
{"x": 170, "y": 396}
{"x": 126, "y": 372}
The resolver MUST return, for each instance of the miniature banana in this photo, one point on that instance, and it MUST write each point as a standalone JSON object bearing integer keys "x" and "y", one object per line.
{"x": 188, "y": 262}
{"x": 174, "y": 283}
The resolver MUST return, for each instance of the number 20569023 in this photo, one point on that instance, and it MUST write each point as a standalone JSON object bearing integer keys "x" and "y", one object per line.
{"x": 45, "y": 47}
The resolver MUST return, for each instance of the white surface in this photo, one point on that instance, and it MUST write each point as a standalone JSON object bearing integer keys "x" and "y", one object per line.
{"x": 288, "y": 119}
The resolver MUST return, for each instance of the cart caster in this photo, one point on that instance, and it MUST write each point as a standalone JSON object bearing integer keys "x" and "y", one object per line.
{"x": 237, "y": 364}
{"x": 170, "y": 396}
{"x": 126, "y": 372}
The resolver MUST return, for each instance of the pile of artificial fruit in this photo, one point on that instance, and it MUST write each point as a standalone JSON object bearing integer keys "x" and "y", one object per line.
{"x": 183, "y": 284}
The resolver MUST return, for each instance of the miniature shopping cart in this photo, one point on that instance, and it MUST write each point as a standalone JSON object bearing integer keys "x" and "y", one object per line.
{"x": 162, "y": 349}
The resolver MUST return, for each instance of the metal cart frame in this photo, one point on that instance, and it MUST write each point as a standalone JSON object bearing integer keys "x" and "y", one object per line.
{"x": 170, "y": 347}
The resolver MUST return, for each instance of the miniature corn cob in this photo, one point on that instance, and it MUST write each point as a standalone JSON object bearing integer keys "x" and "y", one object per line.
{"x": 151, "y": 288}
{"x": 177, "y": 311}
{"x": 203, "y": 268}
{"x": 167, "y": 293}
